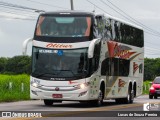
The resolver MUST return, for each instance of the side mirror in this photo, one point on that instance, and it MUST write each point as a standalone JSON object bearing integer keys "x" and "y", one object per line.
{"x": 25, "y": 43}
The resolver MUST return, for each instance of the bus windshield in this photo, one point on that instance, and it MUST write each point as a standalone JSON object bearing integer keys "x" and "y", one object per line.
{"x": 53, "y": 26}
{"x": 50, "y": 64}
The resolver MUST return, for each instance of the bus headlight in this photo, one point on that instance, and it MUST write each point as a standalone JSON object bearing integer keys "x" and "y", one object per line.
{"x": 35, "y": 84}
{"x": 82, "y": 85}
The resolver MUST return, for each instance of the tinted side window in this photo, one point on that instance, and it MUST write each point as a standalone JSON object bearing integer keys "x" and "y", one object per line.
{"x": 157, "y": 81}
{"x": 130, "y": 35}
{"x": 124, "y": 67}
{"x": 94, "y": 62}
{"x": 115, "y": 67}
{"x": 120, "y": 32}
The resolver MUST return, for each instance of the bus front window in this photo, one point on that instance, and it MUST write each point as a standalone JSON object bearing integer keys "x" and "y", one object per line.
{"x": 49, "y": 63}
{"x": 63, "y": 26}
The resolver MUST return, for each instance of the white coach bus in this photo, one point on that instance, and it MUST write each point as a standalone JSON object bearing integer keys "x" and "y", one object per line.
{"x": 80, "y": 56}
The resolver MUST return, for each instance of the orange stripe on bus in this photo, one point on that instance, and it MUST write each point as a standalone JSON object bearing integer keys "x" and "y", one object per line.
{"x": 88, "y": 19}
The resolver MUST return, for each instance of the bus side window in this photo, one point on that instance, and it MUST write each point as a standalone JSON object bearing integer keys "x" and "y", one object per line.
{"x": 124, "y": 67}
{"x": 96, "y": 57}
{"x": 104, "y": 67}
{"x": 108, "y": 29}
{"x": 100, "y": 26}
{"x": 115, "y": 67}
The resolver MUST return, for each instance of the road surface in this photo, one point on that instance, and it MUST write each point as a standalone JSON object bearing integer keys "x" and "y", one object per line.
{"x": 68, "y": 110}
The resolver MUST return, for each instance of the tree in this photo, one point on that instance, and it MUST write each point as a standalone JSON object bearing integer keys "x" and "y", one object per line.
{"x": 151, "y": 68}
{"x": 19, "y": 65}
{"x": 3, "y": 62}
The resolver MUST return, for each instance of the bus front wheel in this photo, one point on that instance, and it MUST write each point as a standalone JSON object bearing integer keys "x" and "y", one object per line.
{"x": 48, "y": 102}
{"x": 99, "y": 101}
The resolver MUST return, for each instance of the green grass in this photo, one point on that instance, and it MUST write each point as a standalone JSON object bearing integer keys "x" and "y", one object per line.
{"x": 146, "y": 86}
{"x": 15, "y": 93}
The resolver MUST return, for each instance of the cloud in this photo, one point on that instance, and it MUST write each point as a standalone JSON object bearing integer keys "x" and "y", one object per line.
{"x": 11, "y": 16}
{"x": 147, "y": 15}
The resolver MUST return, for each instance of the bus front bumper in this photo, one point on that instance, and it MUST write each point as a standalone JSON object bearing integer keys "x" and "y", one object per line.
{"x": 75, "y": 95}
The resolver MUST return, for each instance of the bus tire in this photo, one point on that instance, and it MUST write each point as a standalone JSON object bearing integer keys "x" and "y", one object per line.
{"x": 48, "y": 102}
{"x": 99, "y": 101}
{"x": 130, "y": 97}
{"x": 119, "y": 100}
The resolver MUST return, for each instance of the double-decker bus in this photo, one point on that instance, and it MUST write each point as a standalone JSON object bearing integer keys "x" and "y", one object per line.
{"x": 81, "y": 56}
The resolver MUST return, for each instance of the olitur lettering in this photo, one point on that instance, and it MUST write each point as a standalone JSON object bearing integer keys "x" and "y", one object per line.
{"x": 55, "y": 45}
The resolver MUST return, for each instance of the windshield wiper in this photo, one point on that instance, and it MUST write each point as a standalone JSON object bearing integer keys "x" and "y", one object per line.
{"x": 40, "y": 75}
{"x": 83, "y": 73}
{"x": 66, "y": 70}
{"x": 76, "y": 75}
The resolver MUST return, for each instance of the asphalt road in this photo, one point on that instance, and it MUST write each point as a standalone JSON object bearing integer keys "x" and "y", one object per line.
{"x": 75, "y": 110}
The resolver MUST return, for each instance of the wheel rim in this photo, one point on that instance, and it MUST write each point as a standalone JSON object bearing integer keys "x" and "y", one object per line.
{"x": 100, "y": 98}
{"x": 128, "y": 97}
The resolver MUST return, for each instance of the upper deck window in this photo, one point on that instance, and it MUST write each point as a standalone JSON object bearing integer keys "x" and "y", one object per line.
{"x": 69, "y": 26}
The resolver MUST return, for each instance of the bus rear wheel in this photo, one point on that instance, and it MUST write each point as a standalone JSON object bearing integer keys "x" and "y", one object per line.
{"x": 119, "y": 100}
{"x": 130, "y": 96}
{"x": 48, "y": 102}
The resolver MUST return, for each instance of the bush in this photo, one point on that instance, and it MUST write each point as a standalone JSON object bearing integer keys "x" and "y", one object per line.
{"x": 146, "y": 86}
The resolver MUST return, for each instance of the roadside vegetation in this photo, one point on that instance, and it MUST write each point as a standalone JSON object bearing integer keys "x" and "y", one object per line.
{"x": 14, "y": 78}
{"x": 146, "y": 86}
{"x": 15, "y": 71}
{"x": 14, "y": 87}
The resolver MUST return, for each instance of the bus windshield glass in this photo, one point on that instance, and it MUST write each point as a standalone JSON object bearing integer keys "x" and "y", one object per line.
{"x": 50, "y": 63}
{"x": 69, "y": 26}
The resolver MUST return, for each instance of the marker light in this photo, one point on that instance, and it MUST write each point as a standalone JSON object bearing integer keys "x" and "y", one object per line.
{"x": 152, "y": 88}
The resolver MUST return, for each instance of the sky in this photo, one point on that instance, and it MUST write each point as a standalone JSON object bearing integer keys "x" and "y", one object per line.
{"x": 16, "y": 25}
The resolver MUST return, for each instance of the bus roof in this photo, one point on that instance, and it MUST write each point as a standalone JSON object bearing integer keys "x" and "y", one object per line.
{"x": 70, "y": 12}
{"x": 75, "y": 12}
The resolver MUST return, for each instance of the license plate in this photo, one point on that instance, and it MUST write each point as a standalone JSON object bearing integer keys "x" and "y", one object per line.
{"x": 158, "y": 92}
{"x": 57, "y": 95}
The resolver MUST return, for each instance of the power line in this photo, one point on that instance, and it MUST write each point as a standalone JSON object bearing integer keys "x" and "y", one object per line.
{"x": 20, "y": 10}
{"x": 152, "y": 43}
{"x": 153, "y": 54}
{"x": 10, "y": 12}
{"x": 152, "y": 50}
{"x": 98, "y": 7}
{"x": 131, "y": 18}
{"x": 2, "y": 16}
{"x": 154, "y": 34}
{"x": 109, "y": 14}
{"x": 17, "y": 6}
{"x": 46, "y": 4}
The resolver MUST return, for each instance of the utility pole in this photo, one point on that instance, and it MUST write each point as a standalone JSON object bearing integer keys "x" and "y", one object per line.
{"x": 71, "y": 4}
